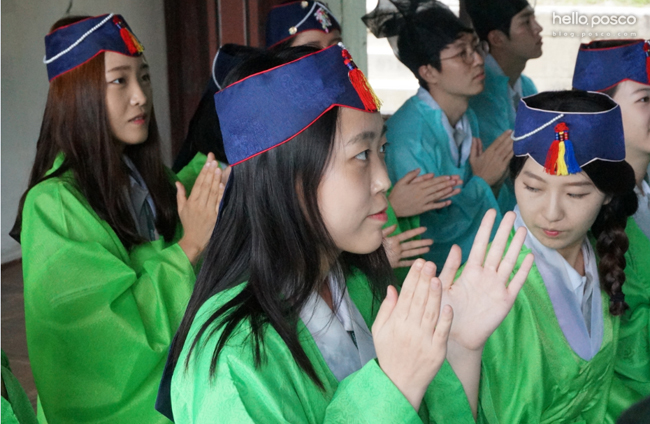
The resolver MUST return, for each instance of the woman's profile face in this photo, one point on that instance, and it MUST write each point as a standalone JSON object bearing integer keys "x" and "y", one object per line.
{"x": 634, "y": 99}
{"x": 128, "y": 97}
{"x": 558, "y": 210}
{"x": 352, "y": 194}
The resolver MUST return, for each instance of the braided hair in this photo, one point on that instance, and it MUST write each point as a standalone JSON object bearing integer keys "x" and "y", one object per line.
{"x": 616, "y": 180}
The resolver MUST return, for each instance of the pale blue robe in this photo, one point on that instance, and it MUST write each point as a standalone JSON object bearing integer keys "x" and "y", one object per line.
{"x": 420, "y": 136}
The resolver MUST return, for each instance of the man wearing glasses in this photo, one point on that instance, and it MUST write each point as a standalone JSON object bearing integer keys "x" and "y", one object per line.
{"x": 514, "y": 36}
{"x": 434, "y": 130}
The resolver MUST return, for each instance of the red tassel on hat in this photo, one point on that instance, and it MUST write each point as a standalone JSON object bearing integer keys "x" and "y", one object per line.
{"x": 550, "y": 166}
{"x": 132, "y": 44}
{"x": 358, "y": 80}
{"x": 128, "y": 40}
{"x": 366, "y": 94}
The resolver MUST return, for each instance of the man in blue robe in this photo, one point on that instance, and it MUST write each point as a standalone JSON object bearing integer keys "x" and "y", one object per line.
{"x": 434, "y": 130}
{"x": 513, "y": 35}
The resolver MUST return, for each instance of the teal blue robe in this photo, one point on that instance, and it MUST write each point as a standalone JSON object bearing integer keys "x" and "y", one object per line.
{"x": 417, "y": 139}
{"x": 493, "y": 109}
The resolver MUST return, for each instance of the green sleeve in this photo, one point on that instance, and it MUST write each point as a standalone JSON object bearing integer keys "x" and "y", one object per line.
{"x": 368, "y": 396}
{"x": 240, "y": 393}
{"x": 16, "y": 409}
{"x": 446, "y": 399}
{"x": 99, "y": 319}
{"x": 8, "y": 416}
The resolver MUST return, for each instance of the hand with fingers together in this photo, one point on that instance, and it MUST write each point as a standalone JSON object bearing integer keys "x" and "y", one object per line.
{"x": 492, "y": 164}
{"x": 399, "y": 249}
{"x": 198, "y": 212}
{"x": 413, "y": 195}
{"x": 410, "y": 332}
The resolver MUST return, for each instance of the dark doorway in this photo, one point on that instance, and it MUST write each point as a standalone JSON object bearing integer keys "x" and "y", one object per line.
{"x": 195, "y": 29}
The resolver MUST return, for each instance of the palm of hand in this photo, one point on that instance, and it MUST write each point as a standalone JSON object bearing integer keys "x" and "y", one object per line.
{"x": 481, "y": 301}
{"x": 480, "y": 297}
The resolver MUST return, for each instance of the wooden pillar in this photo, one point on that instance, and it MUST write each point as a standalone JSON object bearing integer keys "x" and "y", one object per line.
{"x": 195, "y": 29}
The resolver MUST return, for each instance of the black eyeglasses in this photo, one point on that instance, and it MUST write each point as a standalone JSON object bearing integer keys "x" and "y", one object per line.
{"x": 467, "y": 55}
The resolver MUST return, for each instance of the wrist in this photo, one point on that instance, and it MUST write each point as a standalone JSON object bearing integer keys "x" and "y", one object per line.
{"x": 407, "y": 387}
{"x": 413, "y": 395}
{"x": 191, "y": 250}
{"x": 458, "y": 351}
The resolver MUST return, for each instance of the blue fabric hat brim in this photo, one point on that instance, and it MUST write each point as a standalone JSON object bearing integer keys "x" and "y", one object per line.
{"x": 594, "y": 70}
{"x": 270, "y": 108}
{"x": 105, "y": 38}
{"x": 594, "y": 136}
{"x": 285, "y": 16}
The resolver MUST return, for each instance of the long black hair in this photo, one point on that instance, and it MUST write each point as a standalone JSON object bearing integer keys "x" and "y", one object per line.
{"x": 615, "y": 179}
{"x": 271, "y": 235}
{"x": 75, "y": 123}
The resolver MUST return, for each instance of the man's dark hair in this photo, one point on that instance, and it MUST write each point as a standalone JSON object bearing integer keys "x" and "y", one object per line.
{"x": 425, "y": 35}
{"x": 488, "y": 15}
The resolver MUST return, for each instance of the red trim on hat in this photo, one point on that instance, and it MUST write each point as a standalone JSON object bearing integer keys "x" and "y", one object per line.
{"x": 91, "y": 58}
{"x": 85, "y": 19}
{"x": 307, "y": 126}
{"x": 624, "y": 79}
{"x": 632, "y": 43}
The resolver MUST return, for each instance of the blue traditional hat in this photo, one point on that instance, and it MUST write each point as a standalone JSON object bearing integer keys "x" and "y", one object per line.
{"x": 289, "y": 19}
{"x": 226, "y": 59}
{"x": 603, "y": 64}
{"x": 73, "y": 45}
{"x": 269, "y": 108}
{"x": 564, "y": 142}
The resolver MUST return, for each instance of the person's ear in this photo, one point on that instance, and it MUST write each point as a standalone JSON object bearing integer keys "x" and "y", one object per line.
{"x": 429, "y": 74}
{"x": 496, "y": 38}
{"x": 607, "y": 200}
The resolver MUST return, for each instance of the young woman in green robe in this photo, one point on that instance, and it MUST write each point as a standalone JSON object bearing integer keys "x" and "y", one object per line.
{"x": 279, "y": 325}
{"x": 628, "y": 84}
{"x": 552, "y": 359}
{"x": 108, "y": 267}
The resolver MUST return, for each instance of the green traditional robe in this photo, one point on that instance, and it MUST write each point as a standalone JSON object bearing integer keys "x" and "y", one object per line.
{"x": 280, "y": 392}
{"x": 99, "y": 319}
{"x": 530, "y": 374}
{"x": 632, "y": 366}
